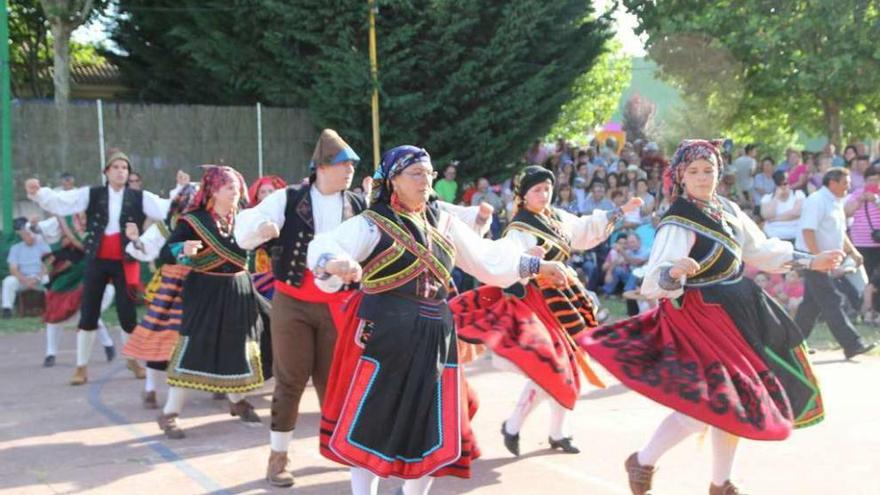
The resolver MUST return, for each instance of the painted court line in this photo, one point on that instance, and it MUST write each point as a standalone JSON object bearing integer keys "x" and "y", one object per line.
{"x": 164, "y": 452}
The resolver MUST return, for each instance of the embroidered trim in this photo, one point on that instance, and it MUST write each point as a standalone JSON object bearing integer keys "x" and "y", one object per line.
{"x": 529, "y": 266}
{"x": 666, "y": 281}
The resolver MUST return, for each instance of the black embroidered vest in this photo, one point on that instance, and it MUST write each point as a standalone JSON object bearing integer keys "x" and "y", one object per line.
{"x": 404, "y": 260}
{"x": 290, "y": 248}
{"x": 715, "y": 248}
{"x": 97, "y": 216}
{"x": 548, "y": 231}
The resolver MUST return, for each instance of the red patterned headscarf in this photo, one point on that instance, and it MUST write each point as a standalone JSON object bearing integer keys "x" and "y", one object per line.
{"x": 689, "y": 151}
{"x": 215, "y": 177}
{"x": 254, "y": 190}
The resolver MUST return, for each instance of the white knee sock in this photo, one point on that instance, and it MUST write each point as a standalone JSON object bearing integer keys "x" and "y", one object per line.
{"x": 530, "y": 397}
{"x": 363, "y": 482}
{"x": 174, "y": 403}
{"x": 675, "y": 428}
{"x": 419, "y": 486}
{"x": 123, "y": 337}
{"x": 280, "y": 440}
{"x": 235, "y": 397}
{"x": 53, "y": 332}
{"x": 153, "y": 377}
{"x": 85, "y": 340}
{"x": 104, "y": 335}
{"x": 723, "y": 452}
{"x": 558, "y": 423}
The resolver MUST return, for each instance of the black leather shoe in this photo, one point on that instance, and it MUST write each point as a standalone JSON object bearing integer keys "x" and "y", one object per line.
{"x": 860, "y": 350}
{"x": 564, "y": 444}
{"x": 7, "y": 313}
{"x": 510, "y": 441}
{"x": 49, "y": 361}
{"x": 110, "y": 352}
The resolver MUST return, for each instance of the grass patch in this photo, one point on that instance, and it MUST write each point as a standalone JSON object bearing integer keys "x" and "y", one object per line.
{"x": 35, "y": 323}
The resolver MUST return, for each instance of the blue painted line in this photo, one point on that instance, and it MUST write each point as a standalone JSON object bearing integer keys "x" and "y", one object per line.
{"x": 164, "y": 452}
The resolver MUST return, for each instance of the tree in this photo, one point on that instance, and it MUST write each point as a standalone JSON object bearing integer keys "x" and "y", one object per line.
{"x": 64, "y": 16}
{"x": 814, "y": 60}
{"x": 30, "y": 50}
{"x": 638, "y": 118}
{"x": 472, "y": 79}
{"x": 596, "y": 93}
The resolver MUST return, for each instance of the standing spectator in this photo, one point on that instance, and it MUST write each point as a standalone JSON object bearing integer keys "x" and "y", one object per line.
{"x": 745, "y": 167}
{"x": 782, "y": 209}
{"x": 763, "y": 183}
{"x": 799, "y": 174}
{"x": 485, "y": 194}
{"x": 792, "y": 160}
{"x": 857, "y": 171}
{"x": 596, "y": 200}
{"x": 26, "y": 270}
{"x": 831, "y": 152}
{"x": 823, "y": 164}
{"x": 823, "y": 227}
{"x": 862, "y": 207}
{"x": 447, "y": 187}
{"x": 849, "y": 154}
{"x": 537, "y": 154}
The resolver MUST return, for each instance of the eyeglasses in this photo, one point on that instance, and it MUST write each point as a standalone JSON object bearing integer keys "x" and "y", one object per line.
{"x": 424, "y": 174}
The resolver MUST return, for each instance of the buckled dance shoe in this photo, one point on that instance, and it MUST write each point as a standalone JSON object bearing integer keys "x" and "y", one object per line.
{"x": 640, "y": 477}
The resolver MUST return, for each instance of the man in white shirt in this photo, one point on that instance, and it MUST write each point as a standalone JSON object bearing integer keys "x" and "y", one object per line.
{"x": 303, "y": 317}
{"x": 823, "y": 227}
{"x": 26, "y": 270}
{"x": 108, "y": 208}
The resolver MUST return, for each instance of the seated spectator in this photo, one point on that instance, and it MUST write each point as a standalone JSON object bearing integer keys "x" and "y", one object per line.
{"x": 762, "y": 280}
{"x": 782, "y": 209}
{"x": 26, "y": 270}
{"x": 648, "y": 201}
{"x": 790, "y": 292}
{"x": 596, "y": 200}
{"x": 565, "y": 200}
{"x": 615, "y": 268}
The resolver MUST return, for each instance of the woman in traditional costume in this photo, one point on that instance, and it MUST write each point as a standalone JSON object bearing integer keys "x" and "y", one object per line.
{"x": 394, "y": 399}
{"x": 223, "y": 315}
{"x": 727, "y": 356}
{"x": 154, "y": 338}
{"x": 531, "y": 326}
{"x": 261, "y": 257}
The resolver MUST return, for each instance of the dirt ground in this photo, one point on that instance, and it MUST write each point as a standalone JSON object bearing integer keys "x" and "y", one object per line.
{"x": 98, "y": 439}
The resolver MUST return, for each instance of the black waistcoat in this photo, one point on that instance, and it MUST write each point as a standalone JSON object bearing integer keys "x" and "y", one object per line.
{"x": 97, "y": 216}
{"x": 290, "y": 248}
{"x": 715, "y": 248}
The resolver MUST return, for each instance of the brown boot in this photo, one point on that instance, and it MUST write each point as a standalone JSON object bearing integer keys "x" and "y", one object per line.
{"x": 136, "y": 369}
{"x": 168, "y": 424}
{"x": 277, "y": 473}
{"x": 244, "y": 410}
{"x": 80, "y": 377}
{"x": 727, "y": 488}
{"x": 149, "y": 400}
{"x": 639, "y": 476}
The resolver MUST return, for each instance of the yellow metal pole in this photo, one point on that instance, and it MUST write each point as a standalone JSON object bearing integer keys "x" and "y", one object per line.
{"x": 374, "y": 71}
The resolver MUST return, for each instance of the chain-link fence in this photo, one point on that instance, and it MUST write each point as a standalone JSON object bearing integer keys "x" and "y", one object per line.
{"x": 159, "y": 139}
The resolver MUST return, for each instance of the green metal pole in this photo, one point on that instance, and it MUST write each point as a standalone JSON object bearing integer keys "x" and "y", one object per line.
{"x": 5, "y": 120}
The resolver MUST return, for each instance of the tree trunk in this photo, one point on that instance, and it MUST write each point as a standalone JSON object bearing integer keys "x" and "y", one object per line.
{"x": 61, "y": 78}
{"x": 833, "y": 125}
